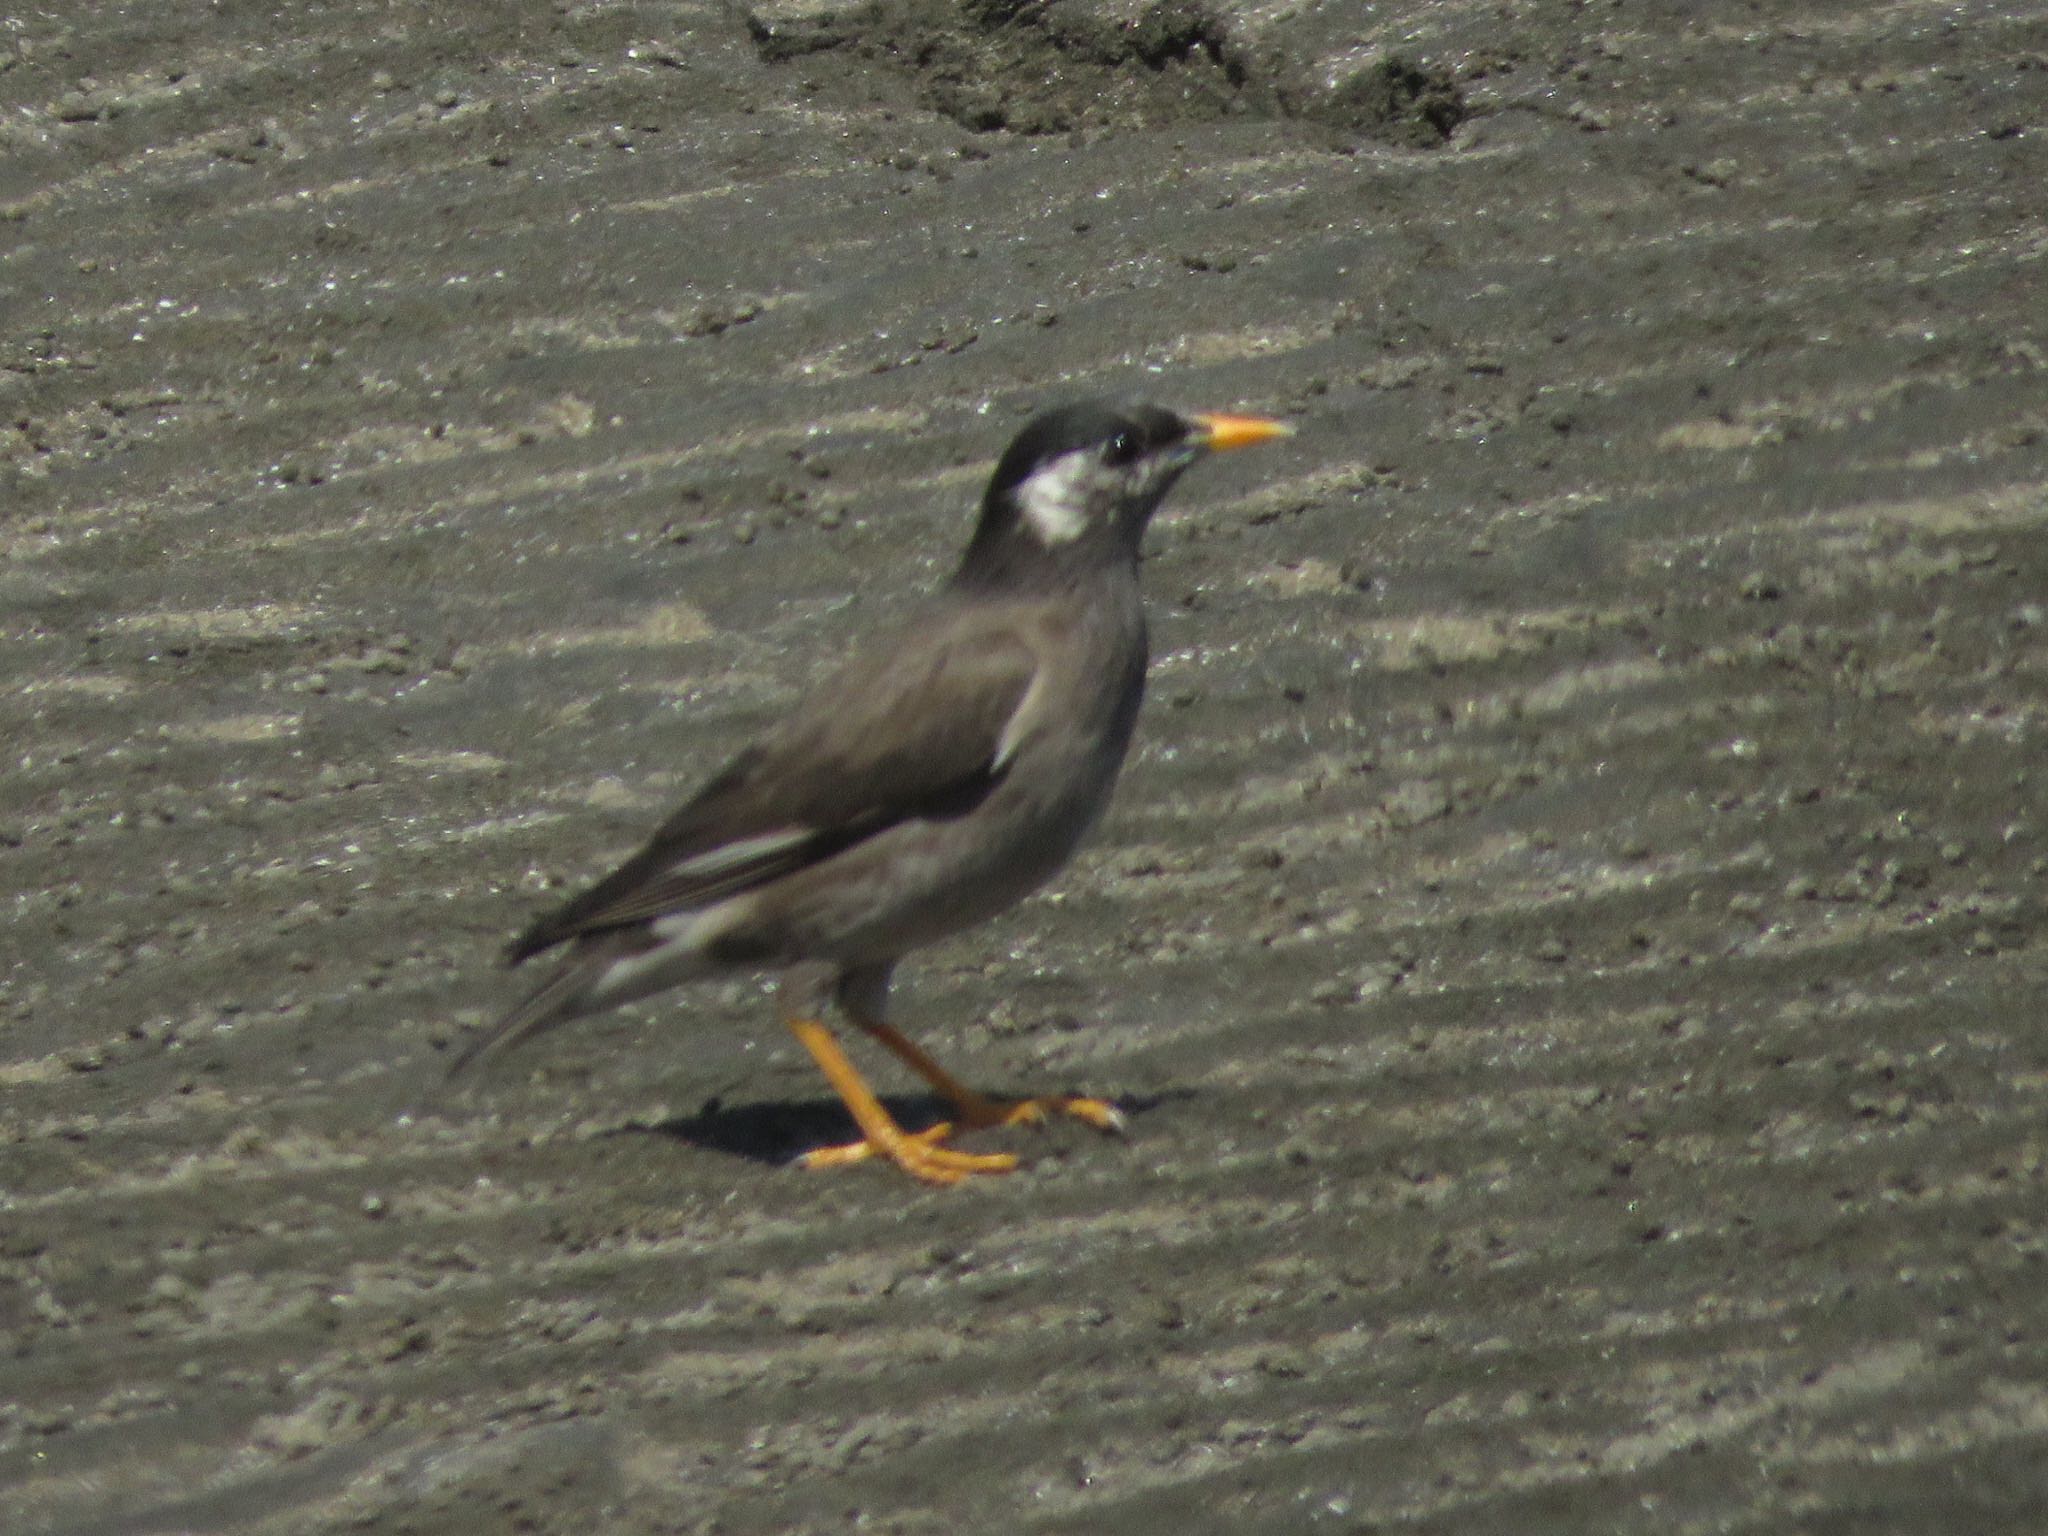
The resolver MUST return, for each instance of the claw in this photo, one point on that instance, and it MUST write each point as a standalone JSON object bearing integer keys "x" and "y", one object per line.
{"x": 977, "y": 1112}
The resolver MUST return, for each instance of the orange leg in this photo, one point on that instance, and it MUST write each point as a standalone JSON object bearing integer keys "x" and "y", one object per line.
{"x": 977, "y": 1110}
{"x": 921, "y": 1155}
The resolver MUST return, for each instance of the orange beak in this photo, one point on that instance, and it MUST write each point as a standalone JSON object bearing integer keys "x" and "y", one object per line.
{"x": 1221, "y": 432}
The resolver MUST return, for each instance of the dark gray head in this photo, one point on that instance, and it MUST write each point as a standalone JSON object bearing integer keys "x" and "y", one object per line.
{"x": 1075, "y": 489}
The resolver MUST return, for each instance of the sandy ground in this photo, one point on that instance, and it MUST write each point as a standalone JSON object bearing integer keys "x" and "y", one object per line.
{"x": 1571, "y": 937}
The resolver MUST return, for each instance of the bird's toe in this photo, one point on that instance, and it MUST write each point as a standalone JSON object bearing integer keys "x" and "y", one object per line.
{"x": 921, "y": 1154}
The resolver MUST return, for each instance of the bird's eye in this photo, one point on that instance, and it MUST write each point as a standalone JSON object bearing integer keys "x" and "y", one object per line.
{"x": 1123, "y": 448}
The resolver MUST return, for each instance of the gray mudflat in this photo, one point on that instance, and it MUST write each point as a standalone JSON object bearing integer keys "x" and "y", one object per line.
{"x": 1572, "y": 937}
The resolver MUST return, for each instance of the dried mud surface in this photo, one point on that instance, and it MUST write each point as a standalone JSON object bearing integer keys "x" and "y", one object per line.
{"x": 1572, "y": 935}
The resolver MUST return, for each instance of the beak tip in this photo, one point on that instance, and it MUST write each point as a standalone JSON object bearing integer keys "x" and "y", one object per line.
{"x": 1221, "y": 432}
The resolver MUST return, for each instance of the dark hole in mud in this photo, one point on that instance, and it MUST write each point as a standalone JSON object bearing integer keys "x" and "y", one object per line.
{"x": 1054, "y": 66}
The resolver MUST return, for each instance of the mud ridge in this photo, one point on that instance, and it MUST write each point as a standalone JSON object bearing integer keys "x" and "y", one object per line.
{"x": 1036, "y": 67}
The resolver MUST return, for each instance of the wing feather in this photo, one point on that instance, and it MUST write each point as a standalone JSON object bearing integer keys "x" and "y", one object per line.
{"x": 921, "y": 729}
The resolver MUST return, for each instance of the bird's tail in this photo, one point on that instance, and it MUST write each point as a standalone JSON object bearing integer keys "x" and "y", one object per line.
{"x": 562, "y": 997}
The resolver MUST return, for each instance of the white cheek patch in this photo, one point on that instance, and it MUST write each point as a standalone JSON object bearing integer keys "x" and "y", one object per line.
{"x": 1055, "y": 499}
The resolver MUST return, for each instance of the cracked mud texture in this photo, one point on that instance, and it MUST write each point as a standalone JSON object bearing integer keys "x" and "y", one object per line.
{"x": 1571, "y": 933}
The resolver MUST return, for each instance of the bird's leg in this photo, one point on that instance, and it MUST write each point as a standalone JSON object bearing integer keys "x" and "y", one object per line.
{"x": 977, "y": 1110}
{"x": 864, "y": 997}
{"x": 920, "y": 1154}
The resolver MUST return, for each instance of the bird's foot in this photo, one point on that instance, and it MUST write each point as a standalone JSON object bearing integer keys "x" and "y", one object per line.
{"x": 921, "y": 1154}
{"x": 978, "y": 1112}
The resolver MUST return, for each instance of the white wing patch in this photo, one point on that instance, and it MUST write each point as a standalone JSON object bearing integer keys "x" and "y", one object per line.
{"x": 1021, "y": 722}
{"x": 740, "y": 852}
{"x": 1055, "y": 498}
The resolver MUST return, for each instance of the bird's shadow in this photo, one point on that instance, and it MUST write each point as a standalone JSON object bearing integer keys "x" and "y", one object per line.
{"x": 777, "y": 1132}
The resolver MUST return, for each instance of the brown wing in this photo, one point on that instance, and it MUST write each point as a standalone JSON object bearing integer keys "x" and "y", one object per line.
{"x": 916, "y": 730}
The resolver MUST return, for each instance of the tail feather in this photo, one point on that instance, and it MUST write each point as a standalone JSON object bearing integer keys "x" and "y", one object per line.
{"x": 556, "y": 1001}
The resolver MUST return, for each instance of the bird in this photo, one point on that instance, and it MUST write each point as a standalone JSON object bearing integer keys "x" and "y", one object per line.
{"x": 931, "y": 782}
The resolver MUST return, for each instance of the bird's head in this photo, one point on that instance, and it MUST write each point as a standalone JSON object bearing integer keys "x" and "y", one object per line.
{"x": 1076, "y": 488}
